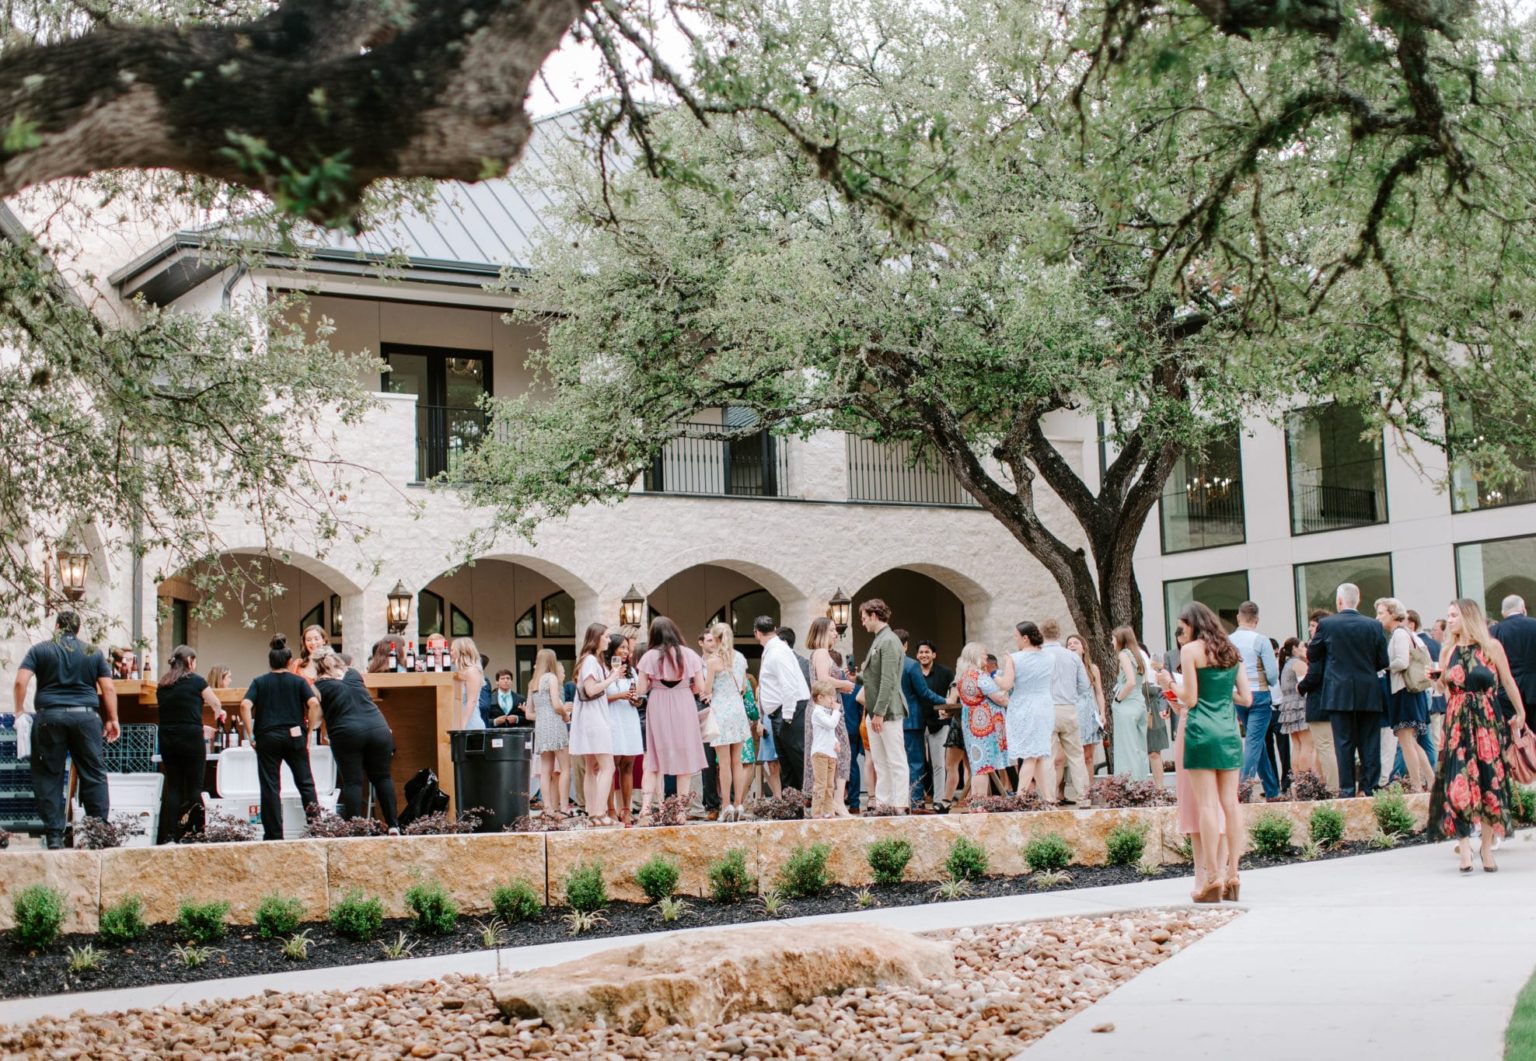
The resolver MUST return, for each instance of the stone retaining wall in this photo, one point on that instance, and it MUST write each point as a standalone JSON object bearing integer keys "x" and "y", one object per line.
{"x": 470, "y": 866}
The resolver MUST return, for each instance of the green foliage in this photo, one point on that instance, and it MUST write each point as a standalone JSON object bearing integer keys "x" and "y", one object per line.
{"x": 671, "y": 908}
{"x": 357, "y": 916}
{"x": 433, "y": 910}
{"x": 804, "y": 873}
{"x": 967, "y": 860}
{"x": 657, "y": 877}
{"x": 1524, "y": 809}
{"x": 193, "y": 955}
{"x": 888, "y": 859}
{"x": 84, "y": 959}
{"x": 203, "y": 922}
{"x": 400, "y": 947}
{"x": 277, "y": 915}
{"x": 1271, "y": 835}
{"x": 773, "y": 902}
{"x": 585, "y": 889}
{"x": 493, "y": 933}
{"x": 580, "y": 921}
{"x": 122, "y": 923}
{"x": 1125, "y": 844}
{"x": 1048, "y": 879}
{"x": 38, "y": 911}
{"x": 1047, "y": 854}
{"x": 864, "y": 898}
{"x": 296, "y": 947}
{"x": 1390, "y": 806}
{"x": 729, "y": 879}
{"x": 949, "y": 890}
{"x": 1326, "y": 827}
{"x": 516, "y": 901}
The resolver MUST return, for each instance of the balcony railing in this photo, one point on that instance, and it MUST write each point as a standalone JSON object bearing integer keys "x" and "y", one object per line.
{"x": 1203, "y": 516}
{"x": 887, "y": 473}
{"x": 443, "y": 435}
{"x": 1319, "y": 506}
{"x": 700, "y": 462}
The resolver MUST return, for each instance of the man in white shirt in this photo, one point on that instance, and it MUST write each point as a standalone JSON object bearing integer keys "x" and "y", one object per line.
{"x": 783, "y": 695}
{"x": 1263, "y": 677}
{"x": 1069, "y": 684}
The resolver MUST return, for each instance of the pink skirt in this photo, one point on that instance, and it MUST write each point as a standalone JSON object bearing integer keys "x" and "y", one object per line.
{"x": 1189, "y": 814}
{"x": 672, "y": 741}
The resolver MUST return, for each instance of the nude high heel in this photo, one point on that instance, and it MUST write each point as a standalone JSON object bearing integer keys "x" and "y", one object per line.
{"x": 1230, "y": 889}
{"x": 1211, "y": 893}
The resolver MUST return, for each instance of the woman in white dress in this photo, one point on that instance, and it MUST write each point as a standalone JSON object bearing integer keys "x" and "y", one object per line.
{"x": 1026, "y": 681}
{"x": 551, "y": 731}
{"x": 624, "y": 721}
{"x": 468, "y": 679}
{"x": 725, "y": 677}
{"x": 828, "y": 668}
{"x": 591, "y": 730}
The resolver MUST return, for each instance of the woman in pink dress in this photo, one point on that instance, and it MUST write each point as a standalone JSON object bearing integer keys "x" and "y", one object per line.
{"x": 671, "y": 677}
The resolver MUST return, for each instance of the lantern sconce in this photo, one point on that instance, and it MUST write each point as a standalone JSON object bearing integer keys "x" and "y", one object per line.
{"x": 72, "y": 572}
{"x": 398, "y": 611}
{"x": 839, "y": 610}
{"x": 632, "y": 608}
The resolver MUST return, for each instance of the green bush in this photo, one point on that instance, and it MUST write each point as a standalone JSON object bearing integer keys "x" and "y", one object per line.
{"x": 585, "y": 889}
{"x": 1047, "y": 854}
{"x": 888, "y": 859}
{"x": 729, "y": 879}
{"x": 804, "y": 873}
{"x": 1271, "y": 835}
{"x": 432, "y": 908}
{"x": 516, "y": 901}
{"x": 123, "y": 922}
{"x": 203, "y": 923}
{"x": 657, "y": 877}
{"x": 1524, "y": 808}
{"x": 358, "y": 916}
{"x": 277, "y": 915}
{"x": 39, "y": 914}
{"x": 1326, "y": 826}
{"x": 1392, "y": 813}
{"x": 967, "y": 860}
{"x": 1125, "y": 844}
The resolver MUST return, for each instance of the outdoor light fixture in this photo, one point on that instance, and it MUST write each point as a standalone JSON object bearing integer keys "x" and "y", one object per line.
{"x": 632, "y": 608}
{"x": 72, "y": 569}
{"x": 399, "y": 610}
{"x": 839, "y": 610}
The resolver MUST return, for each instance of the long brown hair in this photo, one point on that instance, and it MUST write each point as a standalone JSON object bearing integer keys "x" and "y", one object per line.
{"x": 666, "y": 640}
{"x": 1474, "y": 627}
{"x": 591, "y": 643}
{"x": 1125, "y": 639}
{"x": 822, "y": 634}
{"x": 1204, "y": 626}
{"x": 304, "y": 656}
{"x": 181, "y": 665}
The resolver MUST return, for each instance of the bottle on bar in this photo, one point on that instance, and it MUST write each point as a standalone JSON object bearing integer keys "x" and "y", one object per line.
{"x": 147, "y": 664}
{"x": 410, "y": 656}
{"x": 394, "y": 658}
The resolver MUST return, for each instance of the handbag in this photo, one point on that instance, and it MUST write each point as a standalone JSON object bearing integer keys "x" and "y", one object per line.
{"x": 1416, "y": 677}
{"x": 1522, "y": 756}
{"x": 709, "y": 729}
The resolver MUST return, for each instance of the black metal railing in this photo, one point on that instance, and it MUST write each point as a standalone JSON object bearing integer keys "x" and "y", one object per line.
{"x": 1322, "y": 506}
{"x": 1203, "y": 515}
{"x": 699, "y": 461}
{"x": 443, "y": 435}
{"x": 890, "y": 473}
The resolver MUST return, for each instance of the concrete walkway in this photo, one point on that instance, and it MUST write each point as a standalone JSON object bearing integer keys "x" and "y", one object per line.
{"x": 1388, "y": 955}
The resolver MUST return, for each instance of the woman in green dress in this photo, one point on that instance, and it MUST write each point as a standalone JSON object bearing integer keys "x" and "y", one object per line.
{"x": 1213, "y": 751}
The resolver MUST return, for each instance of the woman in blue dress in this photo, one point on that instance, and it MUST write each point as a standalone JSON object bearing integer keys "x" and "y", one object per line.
{"x": 1026, "y": 681}
{"x": 982, "y": 725}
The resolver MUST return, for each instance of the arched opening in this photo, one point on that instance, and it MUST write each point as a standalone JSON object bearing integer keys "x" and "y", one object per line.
{"x": 705, "y": 594}
{"x": 921, "y": 605}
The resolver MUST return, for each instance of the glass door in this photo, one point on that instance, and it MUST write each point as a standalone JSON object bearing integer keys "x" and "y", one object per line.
{"x": 448, "y": 385}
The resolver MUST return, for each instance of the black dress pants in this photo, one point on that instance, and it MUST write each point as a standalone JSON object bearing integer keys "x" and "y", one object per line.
{"x": 184, "y": 762}
{"x": 273, "y": 748}
{"x": 789, "y": 741}
{"x": 1357, "y": 733}
{"x": 59, "y": 734}
{"x": 363, "y": 757}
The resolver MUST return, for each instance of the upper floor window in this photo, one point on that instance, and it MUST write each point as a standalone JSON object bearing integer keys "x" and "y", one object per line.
{"x": 1470, "y": 491}
{"x": 702, "y": 461}
{"x": 1202, "y": 503}
{"x": 448, "y": 385}
{"x": 1338, "y": 478}
{"x": 896, "y": 472}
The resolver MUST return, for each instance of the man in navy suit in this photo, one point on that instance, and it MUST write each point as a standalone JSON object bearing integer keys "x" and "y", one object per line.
{"x": 1517, "y": 633}
{"x": 1344, "y": 660}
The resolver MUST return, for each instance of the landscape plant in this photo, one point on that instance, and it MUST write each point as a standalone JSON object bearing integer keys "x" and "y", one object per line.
{"x": 203, "y": 922}
{"x": 38, "y": 915}
{"x": 729, "y": 879}
{"x": 658, "y": 877}
{"x": 1125, "y": 843}
{"x": 1310, "y": 787}
{"x": 1049, "y": 853}
{"x": 1326, "y": 826}
{"x": 1271, "y": 835}
{"x": 804, "y": 873}
{"x": 585, "y": 889}
{"x": 967, "y": 860}
{"x": 357, "y": 916}
{"x": 122, "y": 922}
{"x": 84, "y": 960}
{"x": 516, "y": 901}
{"x": 277, "y": 915}
{"x": 296, "y": 947}
{"x": 1390, "y": 806}
{"x": 433, "y": 911}
{"x": 888, "y": 858}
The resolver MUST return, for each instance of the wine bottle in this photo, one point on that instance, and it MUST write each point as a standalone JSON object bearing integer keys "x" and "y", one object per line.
{"x": 394, "y": 658}
{"x": 410, "y": 656}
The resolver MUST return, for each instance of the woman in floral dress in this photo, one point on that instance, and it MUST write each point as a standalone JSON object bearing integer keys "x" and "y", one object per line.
{"x": 1472, "y": 784}
{"x": 982, "y": 725}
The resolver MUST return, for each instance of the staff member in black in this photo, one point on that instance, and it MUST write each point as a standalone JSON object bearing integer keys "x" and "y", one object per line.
{"x": 278, "y": 710}
{"x": 360, "y": 738}
{"x": 181, "y": 694}
{"x": 73, "y": 680}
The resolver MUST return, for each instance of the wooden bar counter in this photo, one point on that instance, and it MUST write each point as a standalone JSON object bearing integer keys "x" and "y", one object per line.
{"x": 418, "y": 708}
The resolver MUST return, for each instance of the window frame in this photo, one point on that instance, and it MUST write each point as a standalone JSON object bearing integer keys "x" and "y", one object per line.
{"x": 1290, "y": 473}
{"x": 1296, "y": 594}
{"x": 1242, "y": 538}
{"x": 1171, "y": 622}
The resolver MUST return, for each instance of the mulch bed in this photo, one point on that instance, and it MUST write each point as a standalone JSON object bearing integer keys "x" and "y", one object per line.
{"x": 152, "y": 959}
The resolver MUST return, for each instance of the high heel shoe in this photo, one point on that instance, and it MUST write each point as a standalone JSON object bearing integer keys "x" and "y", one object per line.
{"x": 1211, "y": 893}
{"x": 1230, "y": 889}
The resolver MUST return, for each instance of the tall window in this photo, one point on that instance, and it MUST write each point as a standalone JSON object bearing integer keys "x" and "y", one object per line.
{"x": 448, "y": 385}
{"x": 1316, "y": 583}
{"x": 1469, "y": 491}
{"x": 1202, "y": 504}
{"x": 1338, "y": 479}
{"x": 1490, "y": 571}
{"x": 1220, "y": 593}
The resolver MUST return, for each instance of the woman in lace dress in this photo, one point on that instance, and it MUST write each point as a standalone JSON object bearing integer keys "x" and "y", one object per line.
{"x": 725, "y": 678}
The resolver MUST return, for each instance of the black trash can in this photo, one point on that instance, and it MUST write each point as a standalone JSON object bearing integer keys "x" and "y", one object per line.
{"x": 491, "y": 773}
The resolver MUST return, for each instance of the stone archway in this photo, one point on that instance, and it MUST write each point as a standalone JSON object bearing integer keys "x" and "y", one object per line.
{"x": 926, "y": 606}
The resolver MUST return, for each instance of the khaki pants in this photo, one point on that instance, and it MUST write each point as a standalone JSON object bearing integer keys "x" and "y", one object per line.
{"x": 578, "y": 780}
{"x": 823, "y": 786}
{"x": 888, "y": 748}
{"x": 1067, "y": 739}
{"x": 1322, "y": 738}
{"x": 936, "y": 762}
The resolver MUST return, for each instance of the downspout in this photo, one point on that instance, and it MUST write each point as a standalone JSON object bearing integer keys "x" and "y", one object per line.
{"x": 1103, "y": 453}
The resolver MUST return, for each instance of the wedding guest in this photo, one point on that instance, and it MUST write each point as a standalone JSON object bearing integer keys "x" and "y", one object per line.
{"x": 1090, "y": 709}
{"x": 279, "y": 708}
{"x": 312, "y": 641}
{"x": 1343, "y": 661}
{"x": 1293, "y": 707}
{"x": 1069, "y": 685}
{"x": 1407, "y": 713}
{"x": 1025, "y": 686}
{"x": 853, "y": 718}
{"x": 1436, "y": 696}
{"x": 360, "y": 738}
{"x": 726, "y": 679}
{"x": 378, "y": 659}
{"x": 1319, "y": 724}
{"x": 782, "y": 694}
{"x": 919, "y": 699}
{"x": 1188, "y": 813}
{"x": 591, "y": 729}
{"x": 1130, "y": 709}
{"x": 885, "y": 707}
{"x": 468, "y": 678}
{"x": 1516, "y": 632}
{"x": 671, "y": 677}
{"x": 1263, "y": 675}
{"x": 551, "y": 731}
{"x": 936, "y": 723}
{"x": 500, "y": 703}
{"x": 982, "y": 726}
{"x": 825, "y": 714}
{"x": 181, "y": 694}
{"x": 826, "y": 665}
{"x": 219, "y": 677}
{"x": 624, "y": 722}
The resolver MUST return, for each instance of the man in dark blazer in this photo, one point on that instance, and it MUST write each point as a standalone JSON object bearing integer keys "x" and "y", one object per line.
{"x": 1517, "y": 633}
{"x": 1346, "y": 655}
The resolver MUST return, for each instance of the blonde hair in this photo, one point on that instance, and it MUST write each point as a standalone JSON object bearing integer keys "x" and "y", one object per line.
{"x": 725, "y": 646}
{"x": 972, "y": 657}
{"x": 329, "y": 664}
{"x": 1125, "y": 641}
{"x": 823, "y": 634}
{"x": 1394, "y": 607}
{"x": 1474, "y": 627}
{"x": 546, "y": 663}
{"x": 464, "y": 654}
{"x": 821, "y": 688}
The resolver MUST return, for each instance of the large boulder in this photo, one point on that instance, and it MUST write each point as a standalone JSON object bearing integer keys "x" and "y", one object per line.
{"x": 701, "y": 978}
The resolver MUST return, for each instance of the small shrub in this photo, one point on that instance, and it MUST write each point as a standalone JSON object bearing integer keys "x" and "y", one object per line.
{"x": 729, "y": 879}
{"x": 1524, "y": 808}
{"x": 967, "y": 860}
{"x": 493, "y": 933}
{"x": 1006, "y": 804}
{"x": 1147, "y": 868}
{"x": 579, "y": 921}
{"x": 84, "y": 959}
{"x": 357, "y": 916}
{"x": 1271, "y": 835}
{"x": 1326, "y": 826}
{"x": 1310, "y": 787}
{"x": 277, "y": 915}
{"x": 296, "y": 947}
{"x": 1047, "y": 854}
{"x": 804, "y": 873}
{"x": 203, "y": 922}
{"x": 1392, "y": 813}
{"x": 444, "y": 824}
{"x": 39, "y": 914}
{"x": 1054, "y": 878}
{"x": 864, "y": 898}
{"x": 221, "y": 828}
{"x": 1250, "y": 793}
{"x": 5, "y": 838}
{"x": 952, "y": 889}
{"x": 774, "y": 902}
{"x": 95, "y": 834}
{"x": 191, "y": 955}
{"x": 877, "y": 810}
{"x": 1381, "y": 841}
{"x": 788, "y": 805}
{"x": 671, "y": 908}
{"x": 400, "y": 947}
{"x": 1118, "y": 791}
{"x": 671, "y": 811}
{"x": 327, "y": 825}
{"x": 585, "y": 889}
{"x": 1310, "y": 849}
{"x": 1125, "y": 844}
{"x": 433, "y": 910}
{"x": 516, "y": 901}
{"x": 657, "y": 877}
{"x": 122, "y": 923}
{"x": 888, "y": 859}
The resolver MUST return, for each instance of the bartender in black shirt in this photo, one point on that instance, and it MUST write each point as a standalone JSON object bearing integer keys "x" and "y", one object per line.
{"x": 181, "y": 694}
{"x": 278, "y": 710}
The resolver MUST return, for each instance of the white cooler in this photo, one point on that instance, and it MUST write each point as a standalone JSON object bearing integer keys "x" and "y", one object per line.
{"x": 135, "y": 796}
{"x": 240, "y": 789}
